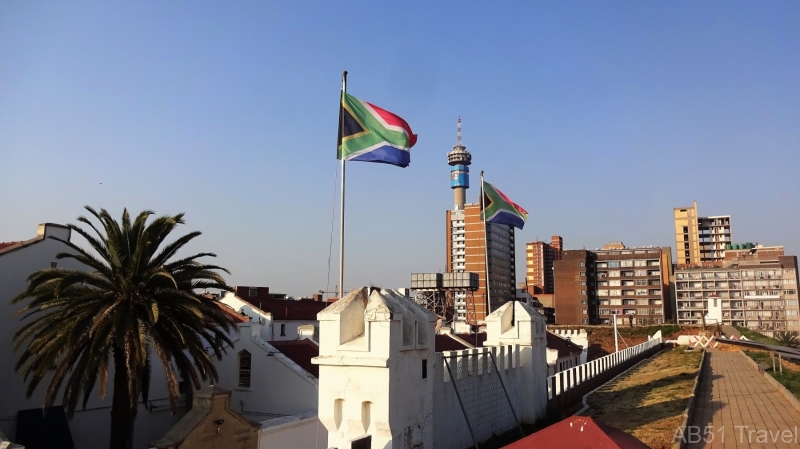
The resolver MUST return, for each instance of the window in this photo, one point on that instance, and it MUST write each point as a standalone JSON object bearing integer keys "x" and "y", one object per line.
{"x": 424, "y": 368}
{"x": 639, "y": 263}
{"x": 626, "y": 263}
{"x": 584, "y": 312}
{"x": 253, "y": 292}
{"x": 602, "y": 292}
{"x": 641, "y": 282}
{"x": 582, "y": 264}
{"x": 685, "y": 228}
{"x": 584, "y": 321}
{"x": 583, "y": 282}
{"x": 641, "y": 292}
{"x": 613, "y": 264}
{"x": 602, "y": 265}
{"x": 789, "y": 292}
{"x": 244, "y": 369}
{"x": 613, "y": 274}
{"x": 283, "y": 330}
{"x": 583, "y": 292}
{"x": 582, "y": 274}
{"x": 583, "y": 302}
{"x": 614, "y": 283}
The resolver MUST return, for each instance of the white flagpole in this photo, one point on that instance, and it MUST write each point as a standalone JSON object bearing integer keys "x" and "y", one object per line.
{"x": 485, "y": 250}
{"x": 341, "y": 204}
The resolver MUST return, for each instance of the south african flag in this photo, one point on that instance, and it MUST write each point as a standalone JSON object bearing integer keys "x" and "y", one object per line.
{"x": 370, "y": 134}
{"x": 497, "y": 208}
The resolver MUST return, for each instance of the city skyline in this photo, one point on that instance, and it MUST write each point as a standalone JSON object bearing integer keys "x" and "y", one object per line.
{"x": 598, "y": 119}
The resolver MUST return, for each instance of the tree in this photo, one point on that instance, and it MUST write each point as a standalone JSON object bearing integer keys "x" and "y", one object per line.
{"x": 788, "y": 339}
{"x": 137, "y": 300}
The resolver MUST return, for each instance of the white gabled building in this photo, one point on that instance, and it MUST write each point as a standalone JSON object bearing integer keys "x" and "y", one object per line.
{"x": 90, "y": 427}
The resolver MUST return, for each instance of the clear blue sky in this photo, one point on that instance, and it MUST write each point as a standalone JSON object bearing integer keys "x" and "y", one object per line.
{"x": 597, "y": 117}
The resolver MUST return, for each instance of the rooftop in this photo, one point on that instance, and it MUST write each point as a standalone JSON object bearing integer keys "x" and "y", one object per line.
{"x": 287, "y": 309}
{"x": 300, "y": 352}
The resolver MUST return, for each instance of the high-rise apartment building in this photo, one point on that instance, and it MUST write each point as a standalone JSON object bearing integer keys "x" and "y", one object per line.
{"x": 595, "y": 287}
{"x": 467, "y": 243}
{"x": 633, "y": 284}
{"x": 756, "y": 286}
{"x": 574, "y": 287}
{"x": 466, "y": 249}
{"x": 700, "y": 239}
{"x": 539, "y": 258}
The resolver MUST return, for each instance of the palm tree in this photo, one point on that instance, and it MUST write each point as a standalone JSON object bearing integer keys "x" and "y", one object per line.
{"x": 788, "y": 339}
{"x": 135, "y": 301}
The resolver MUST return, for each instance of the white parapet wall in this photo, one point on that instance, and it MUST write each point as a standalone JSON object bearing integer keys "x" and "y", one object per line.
{"x": 299, "y": 431}
{"x": 379, "y": 374}
{"x": 516, "y": 344}
{"x": 577, "y": 336}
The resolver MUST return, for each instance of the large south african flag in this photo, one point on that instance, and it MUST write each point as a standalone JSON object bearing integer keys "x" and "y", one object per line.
{"x": 368, "y": 133}
{"x": 499, "y": 209}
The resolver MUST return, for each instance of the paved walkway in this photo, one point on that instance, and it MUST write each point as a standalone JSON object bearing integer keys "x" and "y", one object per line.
{"x": 744, "y": 409}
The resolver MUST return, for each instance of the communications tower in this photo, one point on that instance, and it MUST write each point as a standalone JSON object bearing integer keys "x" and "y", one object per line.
{"x": 460, "y": 294}
{"x": 459, "y": 159}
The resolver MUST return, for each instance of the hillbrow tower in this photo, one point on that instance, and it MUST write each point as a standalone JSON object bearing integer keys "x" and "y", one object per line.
{"x": 467, "y": 239}
{"x": 459, "y": 159}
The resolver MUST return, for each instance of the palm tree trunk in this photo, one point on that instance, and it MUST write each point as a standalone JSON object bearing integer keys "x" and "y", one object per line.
{"x": 121, "y": 410}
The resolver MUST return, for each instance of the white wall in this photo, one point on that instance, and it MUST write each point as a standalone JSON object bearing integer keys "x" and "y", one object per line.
{"x": 372, "y": 346}
{"x": 278, "y": 386}
{"x": 293, "y": 432}
{"x": 271, "y": 330}
{"x": 90, "y": 428}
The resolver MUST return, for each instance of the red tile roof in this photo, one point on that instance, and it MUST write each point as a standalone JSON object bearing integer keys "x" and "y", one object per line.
{"x": 578, "y": 432}
{"x": 300, "y": 352}
{"x": 287, "y": 309}
{"x": 564, "y": 347}
{"x": 236, "y": 316}
{"x": 4, "y": 245}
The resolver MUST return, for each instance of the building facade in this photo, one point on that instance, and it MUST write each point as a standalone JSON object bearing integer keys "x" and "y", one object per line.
{"x": 594, "y": 287}
{"x": 755, "y": 290}
{"x": 574, "y": 284}
{"x": 466, "y": 250}
{"x": 633, "y": 283}
{"x": 700, "y": 239}
{"x": 539, "y": 258}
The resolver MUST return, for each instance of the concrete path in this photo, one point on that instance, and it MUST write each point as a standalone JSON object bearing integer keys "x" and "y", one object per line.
{"x": 737, "y": 408}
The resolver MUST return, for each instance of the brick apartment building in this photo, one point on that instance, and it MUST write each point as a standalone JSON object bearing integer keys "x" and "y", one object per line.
{"x": 591, "y": 287}
{"x": 466, "y": 251}
{"x": 757, "y": 287}
{"x": 539, "y": 259}
{"x": 574, "y": 287}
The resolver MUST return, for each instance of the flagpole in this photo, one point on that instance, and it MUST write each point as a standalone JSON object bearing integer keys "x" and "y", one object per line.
{"x": 341, "y": 203}
{"x": 485, "y": 250}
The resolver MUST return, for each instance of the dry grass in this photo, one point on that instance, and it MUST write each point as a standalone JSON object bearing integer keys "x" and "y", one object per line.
{"x": 648, "y": 401}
